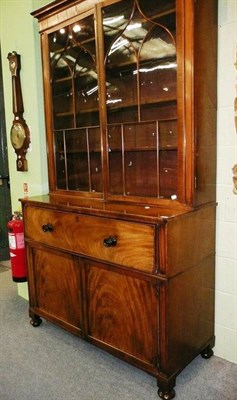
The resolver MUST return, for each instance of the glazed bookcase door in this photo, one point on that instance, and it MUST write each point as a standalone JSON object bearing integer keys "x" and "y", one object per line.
{"x": 141, "y": 98}
{"x": 75, "y": 103}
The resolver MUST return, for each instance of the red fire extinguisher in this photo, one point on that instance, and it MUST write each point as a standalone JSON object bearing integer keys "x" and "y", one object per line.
{"x": 17, "y": 248}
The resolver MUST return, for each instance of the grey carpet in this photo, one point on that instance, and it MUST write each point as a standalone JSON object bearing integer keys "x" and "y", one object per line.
{"x": 47, "y": 363}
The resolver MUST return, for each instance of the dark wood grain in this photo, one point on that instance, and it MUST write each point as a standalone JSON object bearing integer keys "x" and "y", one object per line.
{"x": 85, "y": 235}
{"x": 57, "y": 286}
{"x": 121, "y": 312}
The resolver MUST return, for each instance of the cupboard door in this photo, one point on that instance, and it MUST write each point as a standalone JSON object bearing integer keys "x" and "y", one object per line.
{"x": 122, "y": 313}
{"x": 56, "y": 280}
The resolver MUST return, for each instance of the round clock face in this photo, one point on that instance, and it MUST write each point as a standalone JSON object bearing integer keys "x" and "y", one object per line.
{"x": 18, "y": 135}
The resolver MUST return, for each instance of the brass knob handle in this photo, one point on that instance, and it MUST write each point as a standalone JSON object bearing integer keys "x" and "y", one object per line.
{"x": 47, "y": 228}
{"x": 110, "y": 241}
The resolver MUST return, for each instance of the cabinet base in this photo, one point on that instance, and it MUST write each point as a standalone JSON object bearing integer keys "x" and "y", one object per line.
{"x": 166, "y": 387}
{"x": 207, "y": 352}
{"x": 36, "y": 321}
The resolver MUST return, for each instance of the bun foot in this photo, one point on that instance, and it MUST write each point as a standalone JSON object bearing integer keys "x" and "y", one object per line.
{"x": 207, "y": 352}
{"x": 166, "y": 395}
{"x": 36, "y": 321}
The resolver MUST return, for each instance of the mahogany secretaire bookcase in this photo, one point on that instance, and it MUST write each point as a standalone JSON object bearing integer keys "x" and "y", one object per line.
{"x": 121, "y": 250}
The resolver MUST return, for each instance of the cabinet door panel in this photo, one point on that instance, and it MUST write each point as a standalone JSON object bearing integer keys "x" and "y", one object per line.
{"x": 57, "y": 286}
{"x": 122, "y": 312}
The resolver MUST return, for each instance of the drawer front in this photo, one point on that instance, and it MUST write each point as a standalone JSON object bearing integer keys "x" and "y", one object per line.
{"x": 125, "y": 243}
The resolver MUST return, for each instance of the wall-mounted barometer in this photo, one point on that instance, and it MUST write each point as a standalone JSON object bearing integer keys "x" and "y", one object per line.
{"x": 19, "y": 134}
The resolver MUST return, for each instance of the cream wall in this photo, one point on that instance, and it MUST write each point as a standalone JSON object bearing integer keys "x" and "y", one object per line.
{"x": 18, "y": 31}
{"x": 226, "y": 237}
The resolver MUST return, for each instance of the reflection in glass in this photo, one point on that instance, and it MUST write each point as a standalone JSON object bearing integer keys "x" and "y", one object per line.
{"x": 74, "y": 75}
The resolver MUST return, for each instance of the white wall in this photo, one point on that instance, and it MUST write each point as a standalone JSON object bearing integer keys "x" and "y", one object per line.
{"x": 226, "y": 237}
{"x": 19, "y": 32}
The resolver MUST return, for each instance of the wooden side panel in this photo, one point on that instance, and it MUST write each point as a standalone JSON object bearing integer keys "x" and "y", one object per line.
{"x": 122, "y": 313}
{"x": 205, "y": 102}
{"x": 190, "y": 239}
{"x": 56, "y": 287}
{"x": 189, "y": 302}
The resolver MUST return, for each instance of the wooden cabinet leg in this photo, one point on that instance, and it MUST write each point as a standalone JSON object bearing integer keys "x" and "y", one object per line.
{"x": 166, "y": 388}
{"x": 35, "y": 321}
{"x": 166, "y": 395}
{"x": 207, "y": 352}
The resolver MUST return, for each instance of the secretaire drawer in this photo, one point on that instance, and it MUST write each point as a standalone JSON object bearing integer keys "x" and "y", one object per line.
{"x": 125, "y": 243}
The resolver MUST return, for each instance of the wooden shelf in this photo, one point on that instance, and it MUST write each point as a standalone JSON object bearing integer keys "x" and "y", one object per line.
{"x": 143, "y": 149}
{"x": 118, "y": 107}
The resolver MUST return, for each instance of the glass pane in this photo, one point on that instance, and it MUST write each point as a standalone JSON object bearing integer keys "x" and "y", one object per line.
{"x": 141, "y": 96}
{"x": 141, "y": 136}
{"x": 61, "y": 78}
{"x": 157, "y": 67}
{"x": 77, "y": 160}
{"x": 168, "y": 173}
{"x": 86, "y": 89}
{"x": 74, "y": 75}
{"x": 168, "y": 134}
{"x": 116, "y": 183}
{"x": 140, "y": 146}
{"x": 96, "y": 183}
{"x": 120, "y": 58}
{"x": 141, "y": 173}
{"x": 60, "y": 161}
